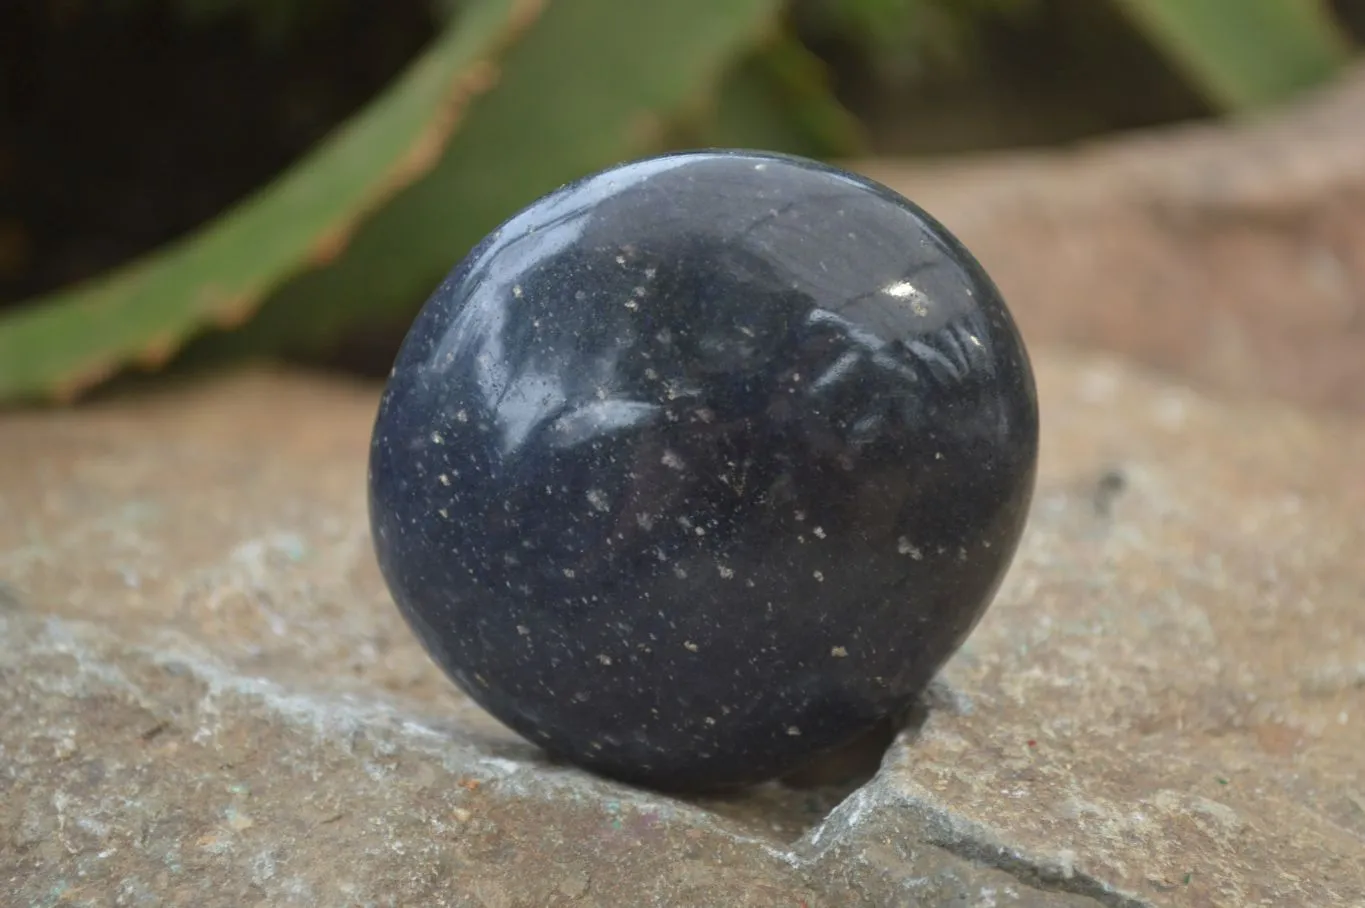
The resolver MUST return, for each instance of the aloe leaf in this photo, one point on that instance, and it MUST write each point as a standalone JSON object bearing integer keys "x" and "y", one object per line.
{"x": 591, "y": 84}
{"x": 1245, "y": 54}
{"x": 778, "y": 97}
{"x": 60, "y": 345}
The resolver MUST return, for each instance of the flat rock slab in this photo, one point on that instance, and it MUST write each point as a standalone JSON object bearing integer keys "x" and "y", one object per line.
{"x": 208, "y": 698}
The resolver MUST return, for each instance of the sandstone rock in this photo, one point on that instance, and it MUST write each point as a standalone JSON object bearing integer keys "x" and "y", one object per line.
{"x": 1161, "y": 708}
{"x": 1234, "y": 254}
{"x": 207, "y": 697}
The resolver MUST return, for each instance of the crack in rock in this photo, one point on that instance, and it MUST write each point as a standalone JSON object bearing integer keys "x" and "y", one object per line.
{"x": 962, "y": 839}
{"x": 336, "y": 719}
{"x": 878, "y": 808}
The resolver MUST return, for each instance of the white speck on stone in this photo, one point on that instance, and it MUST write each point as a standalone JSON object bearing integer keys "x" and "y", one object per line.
{"x": 672, "y": 460}
{"x": 462, "y": 416}
{"x": 444, "y": 479}
{"x": 760, "y": 167}
{"x": 501, "y": 765}
{"x": 436, "y": 438}
{"x": 819, "y": 577}
{"x": 604, "y": 658}
{"x": 445, "y": 513}
{"x": 905, "y": 548}
{"x": 839, "y": 652}
{"x": 800, "y": 516}
{"x": 523, "y": 630}
{"x": 820, "y": 532}
{"x": 598, "y": 499}
{"x": 263, "y": 867}
{"x": 645, "y": 521}
{"x": 632, "y": 304}
{"x": 793, "y": 731}
{"x": 974, "y": 339}
{"x": 237, "y": 820}
{"x": 517, "y": 291}
{"x": 620, "y": 260}
{"x": 568, "y": 572}
{"x": 690, "y": 646}
{"x": 725, "y": 572}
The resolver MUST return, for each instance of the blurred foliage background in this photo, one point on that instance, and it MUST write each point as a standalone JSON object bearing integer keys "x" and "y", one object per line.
{"x": 190, "y": 181}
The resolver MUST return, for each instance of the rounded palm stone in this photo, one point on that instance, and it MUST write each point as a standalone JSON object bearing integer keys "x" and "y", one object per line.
{"x": 703, "y": 465}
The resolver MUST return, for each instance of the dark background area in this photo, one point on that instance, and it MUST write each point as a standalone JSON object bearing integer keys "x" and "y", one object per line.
{"x": 122, "y": 126}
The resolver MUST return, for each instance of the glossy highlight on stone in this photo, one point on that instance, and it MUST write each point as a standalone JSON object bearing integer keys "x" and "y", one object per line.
{"x": 703, "y": 465}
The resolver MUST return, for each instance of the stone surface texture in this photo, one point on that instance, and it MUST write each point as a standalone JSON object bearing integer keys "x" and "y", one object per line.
{"x": 206, "y": 696}
{"x": 1234, "y": 254}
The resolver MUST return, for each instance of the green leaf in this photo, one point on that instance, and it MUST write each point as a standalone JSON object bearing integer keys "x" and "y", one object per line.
{"x": 591, "y": 84}
{"x": 777, "y": 98}
{"x": 1245, "y": 54}
{"x": 60, "y": 345}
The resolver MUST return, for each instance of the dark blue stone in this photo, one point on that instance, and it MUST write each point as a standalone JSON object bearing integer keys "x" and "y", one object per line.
{"x": 704, "y": 465}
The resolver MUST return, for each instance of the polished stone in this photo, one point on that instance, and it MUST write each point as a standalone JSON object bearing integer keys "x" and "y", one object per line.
{"x": 704, "y": 465}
